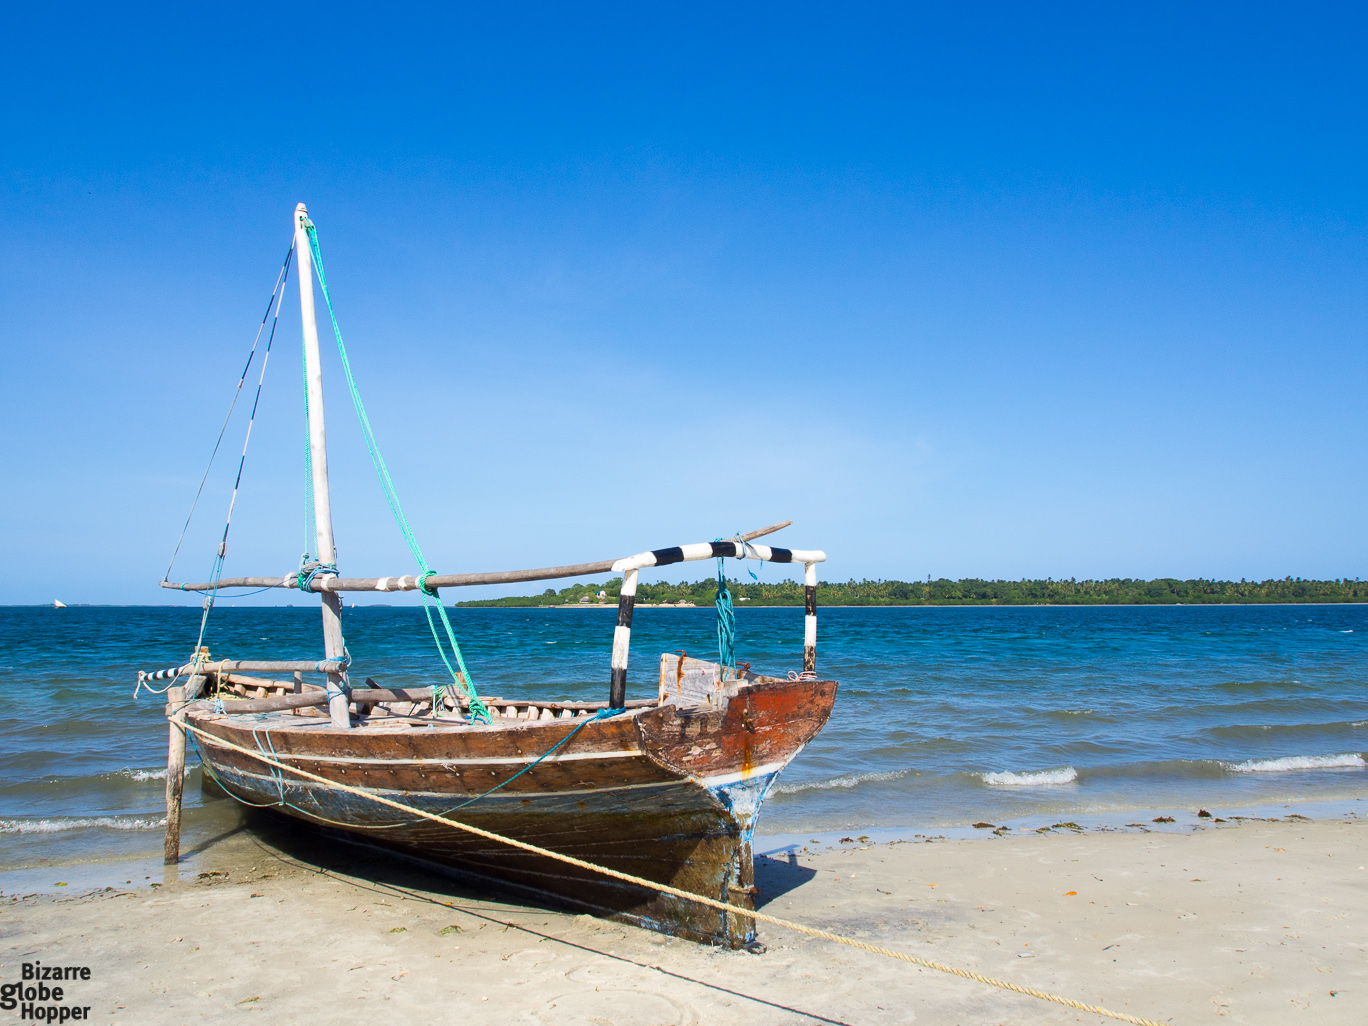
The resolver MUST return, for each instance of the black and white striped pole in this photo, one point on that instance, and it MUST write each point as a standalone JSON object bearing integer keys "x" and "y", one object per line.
{"x": 629, "y": 567}
{"x": 809, "y": 617}
{"x": 622, "y": 641}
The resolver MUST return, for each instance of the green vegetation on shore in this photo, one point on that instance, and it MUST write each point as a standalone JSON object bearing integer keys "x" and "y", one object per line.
{"x": 967, "y": 592}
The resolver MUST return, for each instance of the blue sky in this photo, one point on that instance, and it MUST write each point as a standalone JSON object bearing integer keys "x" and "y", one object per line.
{"x": 984, "y": 291}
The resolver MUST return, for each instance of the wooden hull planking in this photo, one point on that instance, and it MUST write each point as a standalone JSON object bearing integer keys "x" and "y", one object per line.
{"x": 669, "y": 793}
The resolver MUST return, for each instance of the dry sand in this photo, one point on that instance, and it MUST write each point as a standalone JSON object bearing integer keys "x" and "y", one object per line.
{"x": 1257, "y": 922}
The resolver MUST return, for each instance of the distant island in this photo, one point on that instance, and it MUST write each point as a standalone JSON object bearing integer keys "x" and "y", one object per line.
{"x": 967, "y": 592}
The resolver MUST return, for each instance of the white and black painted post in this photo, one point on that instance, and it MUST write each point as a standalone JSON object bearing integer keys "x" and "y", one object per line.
{"x": 810, "y": 618}
{"x": 708, "y": 550}
{"x": 622, "y": 641}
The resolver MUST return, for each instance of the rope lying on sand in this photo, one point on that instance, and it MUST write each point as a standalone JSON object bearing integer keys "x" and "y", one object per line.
{"x": 700, "y": 899}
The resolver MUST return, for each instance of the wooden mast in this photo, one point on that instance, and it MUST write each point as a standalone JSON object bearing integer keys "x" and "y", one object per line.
{"x": 333, "y": 647}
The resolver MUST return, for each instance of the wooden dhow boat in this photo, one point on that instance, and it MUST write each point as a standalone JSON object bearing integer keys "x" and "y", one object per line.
{"x": 667, "y": 789}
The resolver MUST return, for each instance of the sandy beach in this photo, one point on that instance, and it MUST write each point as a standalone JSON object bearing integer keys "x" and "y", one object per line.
{"x": 1248, "y": 922}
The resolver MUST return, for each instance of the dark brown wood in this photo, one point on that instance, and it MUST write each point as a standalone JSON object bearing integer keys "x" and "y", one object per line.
{"x": 669, "y": 793}
{"x": 437, "y": 581}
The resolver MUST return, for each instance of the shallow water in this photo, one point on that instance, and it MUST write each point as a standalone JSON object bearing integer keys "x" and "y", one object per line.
{"x": 945, "y": 715}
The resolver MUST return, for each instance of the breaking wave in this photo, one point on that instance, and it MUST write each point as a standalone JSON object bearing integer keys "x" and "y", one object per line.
{"x": 59, "y": 824}
{"x": 848, "y": 780}
{"x": 1066, "y": 775}
{"x": 1348, "y": 760}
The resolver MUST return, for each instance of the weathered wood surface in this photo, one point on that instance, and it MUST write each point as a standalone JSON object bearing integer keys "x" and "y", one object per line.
{"x": 175, "y": 775}
{"x": 667, "y": 793}
{"x": 437, "y": 581}
{"x": 378, "y": 696}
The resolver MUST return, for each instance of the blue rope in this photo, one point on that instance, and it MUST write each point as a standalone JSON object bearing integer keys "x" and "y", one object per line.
{"x": 309, "y": 571}
{"x": 277, "y": 297}
{"x": 602, "y": 714}
{"x": 461, "y": 681}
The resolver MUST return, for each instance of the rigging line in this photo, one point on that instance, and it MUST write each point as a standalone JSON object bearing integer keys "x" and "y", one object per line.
{"x": 463, "y": 681}
{"x": 280, "y": 280}
{"x": 217, "y": 571}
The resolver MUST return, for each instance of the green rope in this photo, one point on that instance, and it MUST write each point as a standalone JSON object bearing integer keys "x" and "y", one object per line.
{"x": 462, "y": 681}
{"x": 726, "y": 622}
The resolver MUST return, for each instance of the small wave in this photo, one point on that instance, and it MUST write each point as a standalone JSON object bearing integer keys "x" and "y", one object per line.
{"x": 148, "y": 774}
{"x": 1067, "y": 775}
{"x": 55, "y": 826}
{"x": 849, "y": 780}
{"x": 1349, "y": 760}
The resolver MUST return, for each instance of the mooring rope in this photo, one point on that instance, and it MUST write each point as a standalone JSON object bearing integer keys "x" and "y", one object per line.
{"x": 700, "y": 899}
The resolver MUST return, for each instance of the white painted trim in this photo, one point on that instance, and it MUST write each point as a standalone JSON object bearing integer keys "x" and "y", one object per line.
{"x": 622, "y": 640}
{"x": 512, "y": 760}
{"x": 270, "y": 780}
{"x": 756, "y": 772}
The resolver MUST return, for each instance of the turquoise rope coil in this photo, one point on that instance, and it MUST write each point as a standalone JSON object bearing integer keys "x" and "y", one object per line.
{"x": 726, "y": 622}
{"x": 462, "y": 682}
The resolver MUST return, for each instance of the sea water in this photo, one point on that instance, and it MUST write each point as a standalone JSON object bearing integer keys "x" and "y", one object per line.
{"x": 945, "y": 716}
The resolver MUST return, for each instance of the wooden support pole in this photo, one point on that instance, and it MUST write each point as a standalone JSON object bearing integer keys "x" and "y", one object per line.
{"x": 175, "y": 773}
{"x": 436, "y": 581}
{"x": 325, "y": 548}
{"x": 810, "y": 618}
{"x": 622, "y": 642}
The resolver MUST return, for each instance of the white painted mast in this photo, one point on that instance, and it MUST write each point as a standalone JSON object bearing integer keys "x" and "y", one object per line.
{"x": 333, "y": 646}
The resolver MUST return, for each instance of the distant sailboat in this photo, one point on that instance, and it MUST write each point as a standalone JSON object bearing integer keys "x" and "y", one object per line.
{"x": 58, "y": 604}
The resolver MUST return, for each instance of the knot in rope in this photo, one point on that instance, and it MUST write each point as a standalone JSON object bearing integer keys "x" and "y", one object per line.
{"x": 309, "y": 571}
{"x": 747, "y": 552}
{"x": 422, "y": 584}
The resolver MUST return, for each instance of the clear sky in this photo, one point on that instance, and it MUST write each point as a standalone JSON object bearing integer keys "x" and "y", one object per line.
{"x": 965, "y": 290}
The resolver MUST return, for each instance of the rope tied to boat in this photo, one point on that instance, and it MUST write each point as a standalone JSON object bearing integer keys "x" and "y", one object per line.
{"x": 602, "y": 714}
{"x": 724, "y": 906}
{"x": 308, "y": 571}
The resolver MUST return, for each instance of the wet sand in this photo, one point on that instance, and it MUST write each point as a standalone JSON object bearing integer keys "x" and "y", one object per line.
{"x": 1251, "y": 922}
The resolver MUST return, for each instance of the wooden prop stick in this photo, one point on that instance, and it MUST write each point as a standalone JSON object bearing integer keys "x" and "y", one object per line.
{"x": 175, "y": 773}
{"x": 437, "y": 580}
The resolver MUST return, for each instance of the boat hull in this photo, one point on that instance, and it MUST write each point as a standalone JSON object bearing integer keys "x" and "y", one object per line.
{"x": 669, "y": 793}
